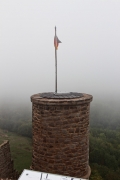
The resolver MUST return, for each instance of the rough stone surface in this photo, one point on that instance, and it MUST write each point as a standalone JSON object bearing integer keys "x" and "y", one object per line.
{"x": 51, "y": 95}
{"x": 61, "y": 135}
{"x": 6, "y": 163}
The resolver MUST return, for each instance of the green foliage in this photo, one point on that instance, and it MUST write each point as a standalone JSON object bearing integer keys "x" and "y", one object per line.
{"x": 21, "y": 149}
{"x": 16, "y": 119}
{"x": 95, "y": 175}
{"x": 105, "y": 152}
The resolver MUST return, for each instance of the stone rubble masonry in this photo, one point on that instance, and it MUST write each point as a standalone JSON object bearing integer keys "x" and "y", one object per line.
{"x": 6, "y": 163}
{"x": 61, "y": 135}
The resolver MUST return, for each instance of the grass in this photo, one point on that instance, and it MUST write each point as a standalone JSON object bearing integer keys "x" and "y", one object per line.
{"x": 21, "y": 149}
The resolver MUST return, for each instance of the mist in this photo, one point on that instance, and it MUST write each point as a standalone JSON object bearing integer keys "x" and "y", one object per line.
{"x": 88, "y": 57}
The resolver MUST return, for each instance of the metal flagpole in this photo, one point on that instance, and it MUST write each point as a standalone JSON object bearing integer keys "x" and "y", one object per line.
{"x": 55, "y": 65}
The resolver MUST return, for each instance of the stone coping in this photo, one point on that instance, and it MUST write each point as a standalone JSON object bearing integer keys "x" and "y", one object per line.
{"x": 4, "y": 143}
{"x": 37, "y": 99}
{"x": 70, "y": 95}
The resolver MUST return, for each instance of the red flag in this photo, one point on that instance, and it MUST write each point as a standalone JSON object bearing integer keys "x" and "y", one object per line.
{"x": 56, "y": 42}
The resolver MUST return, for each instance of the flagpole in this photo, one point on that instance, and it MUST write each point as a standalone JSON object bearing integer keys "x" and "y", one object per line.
{"x": 55, "y": 66}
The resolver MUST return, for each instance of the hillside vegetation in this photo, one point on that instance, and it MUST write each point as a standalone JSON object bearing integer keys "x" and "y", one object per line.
{"x": 104, "y": 139}
{"x": 21, "y": 149}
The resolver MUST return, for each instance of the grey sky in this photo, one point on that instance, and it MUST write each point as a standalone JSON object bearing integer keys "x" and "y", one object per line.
{"x": 88, "y": 58}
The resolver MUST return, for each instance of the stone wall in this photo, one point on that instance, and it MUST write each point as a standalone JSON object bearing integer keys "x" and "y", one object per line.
{"x": 6, "y": 163}
{"x": 61, "y": 135}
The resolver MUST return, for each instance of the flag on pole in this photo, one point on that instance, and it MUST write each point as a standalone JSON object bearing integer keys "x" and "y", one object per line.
{"x": 56, "y": 42}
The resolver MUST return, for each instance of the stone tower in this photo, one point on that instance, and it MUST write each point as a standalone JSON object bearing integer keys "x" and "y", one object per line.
{"x": 60, "y": 126}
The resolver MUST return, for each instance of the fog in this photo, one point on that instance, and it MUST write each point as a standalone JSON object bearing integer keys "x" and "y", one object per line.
{"x": 88, "y": 57}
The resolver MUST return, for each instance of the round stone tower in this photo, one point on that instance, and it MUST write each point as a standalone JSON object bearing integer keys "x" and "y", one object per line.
{"x": 60, "y": 125}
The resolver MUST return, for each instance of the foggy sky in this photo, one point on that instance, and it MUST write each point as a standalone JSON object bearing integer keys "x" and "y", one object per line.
{"x": 88, "y": 58}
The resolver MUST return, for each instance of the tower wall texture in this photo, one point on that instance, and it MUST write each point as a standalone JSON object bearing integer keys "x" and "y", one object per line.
{"x": 6, "y": 163}
{"x": 61, "y": 135}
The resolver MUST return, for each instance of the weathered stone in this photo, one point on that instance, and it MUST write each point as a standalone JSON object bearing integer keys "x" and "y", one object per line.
{"x": 60, "y": 135}
{"x": 6, "y": 163}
